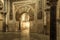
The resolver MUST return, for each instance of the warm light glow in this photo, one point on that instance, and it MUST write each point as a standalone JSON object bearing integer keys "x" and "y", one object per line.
{"x": 25, "y": 24}
{"x": 23, "y": 17}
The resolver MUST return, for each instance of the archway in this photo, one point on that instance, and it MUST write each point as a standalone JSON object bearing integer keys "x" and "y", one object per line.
{"x": 24, "y": 10}
{"x": 25, "y": 25}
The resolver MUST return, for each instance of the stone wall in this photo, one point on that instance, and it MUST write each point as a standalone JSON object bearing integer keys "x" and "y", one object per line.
{"x": 58, "y": 20}
{"x": 1, "y": 22}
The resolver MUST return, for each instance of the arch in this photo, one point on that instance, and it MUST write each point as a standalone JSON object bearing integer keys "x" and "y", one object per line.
{"x": 24, "y": 6}
{"x": 17, "y": 14}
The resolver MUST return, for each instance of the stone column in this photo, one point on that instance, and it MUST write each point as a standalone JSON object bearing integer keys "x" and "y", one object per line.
{"x": 53, "y": 20}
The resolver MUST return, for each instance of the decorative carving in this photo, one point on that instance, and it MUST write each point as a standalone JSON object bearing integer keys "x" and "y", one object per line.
{"x": 39, "y": 15}
{"x": 1, "y": 6}
{"x": 26, "y": 9}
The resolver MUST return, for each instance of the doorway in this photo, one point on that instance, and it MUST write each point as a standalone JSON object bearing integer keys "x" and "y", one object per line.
{"x": 25, "y": 26}
{"x": 24, "y": 21}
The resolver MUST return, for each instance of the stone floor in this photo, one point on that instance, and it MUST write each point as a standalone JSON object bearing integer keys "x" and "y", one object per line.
{"x": 19, "y": 36}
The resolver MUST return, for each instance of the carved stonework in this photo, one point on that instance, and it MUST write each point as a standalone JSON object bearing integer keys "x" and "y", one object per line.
{"x": 24, "y": 6}
{"x": 1, "y": 6}
{"x": 25, "y": 9}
